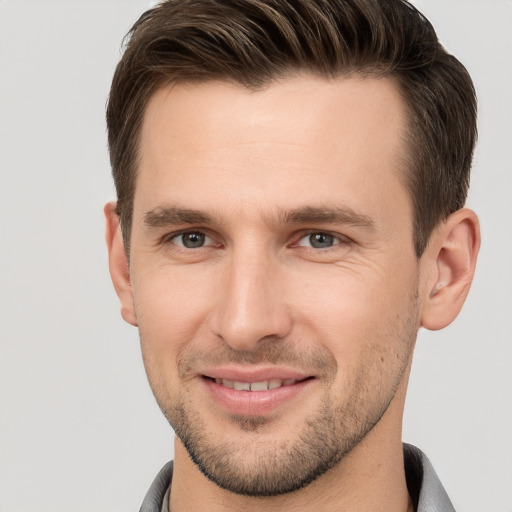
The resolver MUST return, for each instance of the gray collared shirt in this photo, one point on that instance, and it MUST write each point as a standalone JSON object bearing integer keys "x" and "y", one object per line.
{"x": 426, "y": 490}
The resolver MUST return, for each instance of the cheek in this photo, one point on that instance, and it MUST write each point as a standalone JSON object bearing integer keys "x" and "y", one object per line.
{"x": 371, "y": 336}
{"x": 171, "y": 305}
{"x": 364, "y": 311}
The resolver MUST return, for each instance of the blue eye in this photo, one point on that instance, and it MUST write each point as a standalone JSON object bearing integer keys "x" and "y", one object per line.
{"x": 191, "y": 239}
{"x": 319, "y": 240}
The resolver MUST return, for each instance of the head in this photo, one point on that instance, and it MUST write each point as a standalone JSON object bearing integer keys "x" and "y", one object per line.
{"x": 254, "y": 43}
{"x": 290, "y": 179}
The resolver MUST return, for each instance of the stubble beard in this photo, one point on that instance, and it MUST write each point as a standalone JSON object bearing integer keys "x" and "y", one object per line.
{"x": 265, "y": 468}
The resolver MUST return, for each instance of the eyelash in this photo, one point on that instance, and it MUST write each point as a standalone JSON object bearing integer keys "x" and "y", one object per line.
{"x": 338, "y": 240}
{"x": 171, "y": 237}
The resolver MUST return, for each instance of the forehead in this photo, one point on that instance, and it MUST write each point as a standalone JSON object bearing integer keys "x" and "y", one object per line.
{"x": 296, "y": 137}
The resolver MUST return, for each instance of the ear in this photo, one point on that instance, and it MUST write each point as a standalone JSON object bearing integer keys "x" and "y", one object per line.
{"x": 450, "y": 259}
{"x": 118, "y": 263}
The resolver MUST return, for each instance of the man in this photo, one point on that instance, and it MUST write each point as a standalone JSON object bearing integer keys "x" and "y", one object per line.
{"x": 291, "y": 179}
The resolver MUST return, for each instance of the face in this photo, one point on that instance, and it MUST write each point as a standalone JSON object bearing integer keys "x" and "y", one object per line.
{"x": 273, "y": 273}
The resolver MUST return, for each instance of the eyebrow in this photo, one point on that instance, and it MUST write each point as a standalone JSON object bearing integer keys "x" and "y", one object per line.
{"x": 168, "y": 216}
{"x": 331, "y": 215}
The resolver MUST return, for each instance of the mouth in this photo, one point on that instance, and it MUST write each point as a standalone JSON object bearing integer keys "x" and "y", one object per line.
{"x": 255, "y": 393}
{"x": 263, "y": 385}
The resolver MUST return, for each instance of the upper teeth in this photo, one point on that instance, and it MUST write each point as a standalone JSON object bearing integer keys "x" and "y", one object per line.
{"x": 255, "y": 386}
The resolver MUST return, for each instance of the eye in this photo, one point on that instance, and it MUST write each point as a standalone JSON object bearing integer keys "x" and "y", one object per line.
{"x": 191, "y": 239}
{"x": 319, "y": 240}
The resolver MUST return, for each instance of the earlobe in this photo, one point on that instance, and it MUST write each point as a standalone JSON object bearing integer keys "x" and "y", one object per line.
{"x": 118, "y": 263}
{"x": 451, "y": 255}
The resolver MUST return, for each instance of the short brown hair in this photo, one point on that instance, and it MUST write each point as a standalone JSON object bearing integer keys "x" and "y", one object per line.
{"x": 253, "y": 42}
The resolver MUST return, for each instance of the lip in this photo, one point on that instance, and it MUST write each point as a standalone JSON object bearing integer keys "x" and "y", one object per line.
{"x": 254, "y": 403}
{"x": 253, "y": 374}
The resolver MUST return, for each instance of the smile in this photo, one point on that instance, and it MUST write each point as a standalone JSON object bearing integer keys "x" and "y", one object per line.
{"x": 256, "y": 386}
{"x": 238, "y": 392}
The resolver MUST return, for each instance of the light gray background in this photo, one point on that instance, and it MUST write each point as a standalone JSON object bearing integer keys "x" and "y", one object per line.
{"x": 79, "y": 428}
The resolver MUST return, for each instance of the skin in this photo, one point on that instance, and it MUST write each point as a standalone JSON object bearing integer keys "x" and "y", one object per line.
{"x": 258, "y": 173}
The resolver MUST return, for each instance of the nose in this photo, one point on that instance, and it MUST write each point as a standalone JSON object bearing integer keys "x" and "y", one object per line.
{"x": 251, "y": 306}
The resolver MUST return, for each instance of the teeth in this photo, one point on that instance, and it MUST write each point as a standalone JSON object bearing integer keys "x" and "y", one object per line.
{"x": 242, "y": 386}
{"x": 255, "y": 386}
{"x": 274, "y": 383}
{"x": 259, "y": 386}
